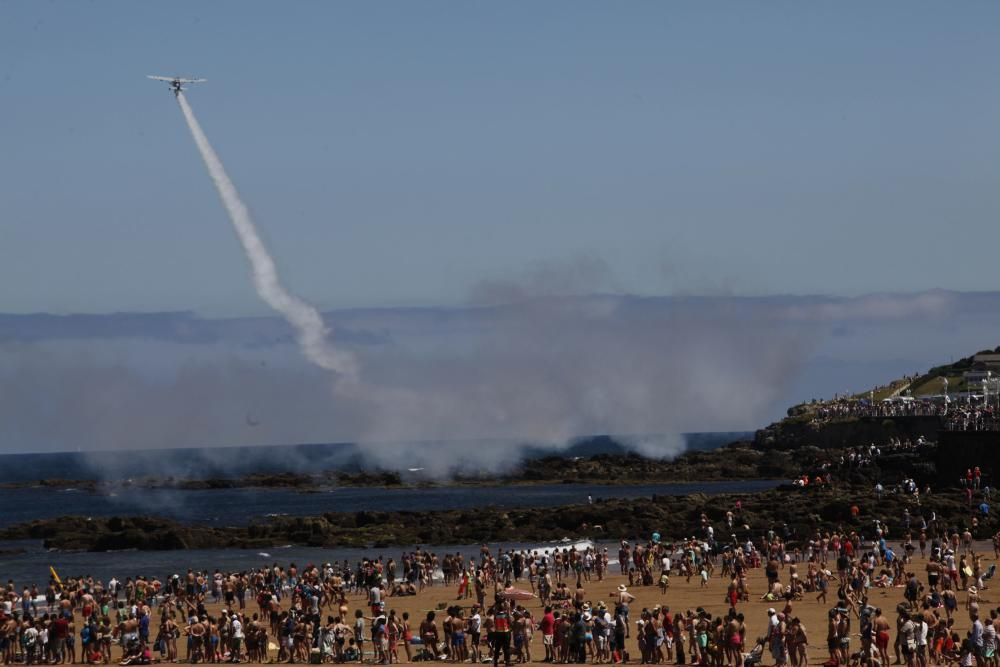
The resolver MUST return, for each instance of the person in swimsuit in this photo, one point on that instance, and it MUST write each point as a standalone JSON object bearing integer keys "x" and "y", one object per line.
{"x": 429, "y": 634}
{"x": 733, "y": 641}
{"x": 459, "y": 651}
{"x": 392, "y": 632}
{"x": 407, "y": 633}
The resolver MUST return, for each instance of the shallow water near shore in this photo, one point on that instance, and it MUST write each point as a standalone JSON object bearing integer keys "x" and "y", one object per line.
{"x": 228, "y": 507}
{"x": 29, "y": 561}
{"x": 32, "y": 564}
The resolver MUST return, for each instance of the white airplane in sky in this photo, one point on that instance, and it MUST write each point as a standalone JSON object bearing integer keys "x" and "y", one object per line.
{"x": 176, "y": 82}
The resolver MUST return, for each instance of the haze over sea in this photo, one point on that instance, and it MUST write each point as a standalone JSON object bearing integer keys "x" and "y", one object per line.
{"x": 29, "y": 561}
{"x": 474, "y": 226}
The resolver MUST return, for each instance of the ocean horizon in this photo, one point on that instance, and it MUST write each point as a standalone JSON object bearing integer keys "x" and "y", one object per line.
{"x": 236, "y": 461}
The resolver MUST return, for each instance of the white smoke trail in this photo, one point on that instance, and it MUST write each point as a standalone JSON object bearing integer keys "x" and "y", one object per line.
{"x": 305, "y": 318}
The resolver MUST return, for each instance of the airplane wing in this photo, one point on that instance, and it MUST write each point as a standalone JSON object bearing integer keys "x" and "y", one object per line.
{"x": 160, "y": 78}
{"x": 192, "y": 80}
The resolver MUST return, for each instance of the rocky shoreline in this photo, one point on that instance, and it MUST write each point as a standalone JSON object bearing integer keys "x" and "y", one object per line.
{"x": 738, "y": 460}
{"x": 786, "y": 450}
{"x": 778, "y": 451}
{"x": 803, "y": 510}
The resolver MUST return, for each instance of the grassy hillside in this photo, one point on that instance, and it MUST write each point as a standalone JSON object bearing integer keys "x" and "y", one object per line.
{"x": 931, "y": 382}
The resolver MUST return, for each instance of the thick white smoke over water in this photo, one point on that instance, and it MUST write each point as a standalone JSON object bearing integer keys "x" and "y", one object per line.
{"x": 551, "y": 369}
{"x": 308, "y": 323}
{"x": 462, "y": 389}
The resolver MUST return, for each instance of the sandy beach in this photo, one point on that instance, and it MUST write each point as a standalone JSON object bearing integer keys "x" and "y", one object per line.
{"x": 680, "y": 597}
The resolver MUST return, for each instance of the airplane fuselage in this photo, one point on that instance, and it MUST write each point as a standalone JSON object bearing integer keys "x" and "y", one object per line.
{"x": 176, "y": 83}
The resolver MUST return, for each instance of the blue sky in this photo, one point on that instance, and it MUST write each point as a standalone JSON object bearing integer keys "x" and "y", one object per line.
{"x": 401, "y": 152}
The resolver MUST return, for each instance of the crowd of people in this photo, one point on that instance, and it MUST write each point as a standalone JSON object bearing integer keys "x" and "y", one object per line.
{"x": 958, "y": 414}
{"x": 580, "y": 602}
{"x": 972, "y": 418}
{"x": 844, "y": 408}
{"x": 293, "y": 614}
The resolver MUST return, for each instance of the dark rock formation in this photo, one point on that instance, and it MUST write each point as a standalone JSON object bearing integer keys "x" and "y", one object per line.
{"x": 800, "y": 430}
{"x": 799, "y": 511}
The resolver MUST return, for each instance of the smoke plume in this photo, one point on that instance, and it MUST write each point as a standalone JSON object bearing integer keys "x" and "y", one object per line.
{"x": 308, "y": 324}
{"x": 528, "y": 363}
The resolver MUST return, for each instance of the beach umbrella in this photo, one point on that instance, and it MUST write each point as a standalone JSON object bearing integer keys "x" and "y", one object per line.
{"x": 517, "y": 594}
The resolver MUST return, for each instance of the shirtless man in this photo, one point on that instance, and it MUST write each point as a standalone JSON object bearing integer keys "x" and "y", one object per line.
{"x": 229, "y": 591}
{"x": 8, "y": 639}
{"x": 933, "y": 573}
{"x": 447, "y": 630}
{"x": 196, "y": 632}
{"x": 459, "y": 651}
{"x": 733, "y": 642}
{"x": 580, "y": 596}
{"x": 189, "y": 584}
{"x": 844, "y": 637}
{"x": 881, "y": 628}
{"x": 832, "y": 638}
{"x": 623, "y": 598}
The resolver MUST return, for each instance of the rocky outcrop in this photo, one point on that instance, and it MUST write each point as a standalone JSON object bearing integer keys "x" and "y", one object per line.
{"x": 786, "y": 450}
{"x": 800, "y": 430}
{"x": 802, "y": 510}
{"x": 736, "y": 461}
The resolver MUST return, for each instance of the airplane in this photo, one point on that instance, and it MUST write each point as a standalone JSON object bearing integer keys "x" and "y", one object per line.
{"x": 176, "y": 82}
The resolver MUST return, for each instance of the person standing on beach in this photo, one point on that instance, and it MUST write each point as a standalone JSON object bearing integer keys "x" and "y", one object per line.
{"x": 459, "y": 635}
{"x": 624, "y": 599}
{"x": 57, "y": 638}
{"x": 236, "y": 638}
{"x": 732, "y": 641}
{"x": 880, "y": 627}
{"x": 580, "y": 596}
{"x": 908, "y": 639}
{"x": 196, "y": 634}
{"x": 480, "y": 585}
{"x": 976, "y": 634}
{"x": 950, "y": 602}
{"x": 547, "y": 626}
{"x": 359, "y": 633}
{"x": 779, "y": 632}
{"x": 429, "y": 634}
{"x": 475, "y": 626}
{"x": 501, "y": 631}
